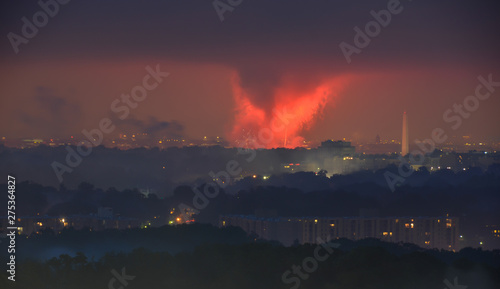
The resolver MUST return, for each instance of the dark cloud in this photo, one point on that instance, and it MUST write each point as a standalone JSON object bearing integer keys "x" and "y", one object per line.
{"x": 266, "y": 30}
{"x": 54, "y": 105}
{"x": 55, "y": 115}
{"x": 152, "y": 126}
{"x": 263, "y": 40}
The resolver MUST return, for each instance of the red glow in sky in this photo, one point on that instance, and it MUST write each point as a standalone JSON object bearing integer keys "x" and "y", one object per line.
{"x": 293, "y": 110}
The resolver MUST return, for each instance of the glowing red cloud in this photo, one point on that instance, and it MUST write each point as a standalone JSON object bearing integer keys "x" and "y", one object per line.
{"x": 294, "y": 109}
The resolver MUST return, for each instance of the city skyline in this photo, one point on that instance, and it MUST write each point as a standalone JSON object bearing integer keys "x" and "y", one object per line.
{"x": 405, "y": 145}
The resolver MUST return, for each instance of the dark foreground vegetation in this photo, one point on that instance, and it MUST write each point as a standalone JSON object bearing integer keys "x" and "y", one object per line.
{"x": 243, "y": 262}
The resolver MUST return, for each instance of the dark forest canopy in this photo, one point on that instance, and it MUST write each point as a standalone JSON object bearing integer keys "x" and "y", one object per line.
{"x": 471, "y": 193}
{"x": 240, "y": 262}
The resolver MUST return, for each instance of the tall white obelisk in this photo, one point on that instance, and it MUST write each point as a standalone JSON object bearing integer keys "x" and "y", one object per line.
{"x": 404, "y": 143}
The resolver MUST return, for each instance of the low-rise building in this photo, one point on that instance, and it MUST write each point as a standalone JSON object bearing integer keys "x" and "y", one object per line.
{"x": 426, "y": 232}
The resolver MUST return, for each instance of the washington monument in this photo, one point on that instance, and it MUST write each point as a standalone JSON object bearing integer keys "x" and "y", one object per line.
{"x": 404, "y": 143}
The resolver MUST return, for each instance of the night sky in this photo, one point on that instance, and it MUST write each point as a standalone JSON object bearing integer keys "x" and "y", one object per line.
{"x": 226, "y": 76}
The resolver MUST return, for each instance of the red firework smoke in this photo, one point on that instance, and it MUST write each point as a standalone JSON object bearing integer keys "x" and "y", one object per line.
{"x": 292, "y": 111}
